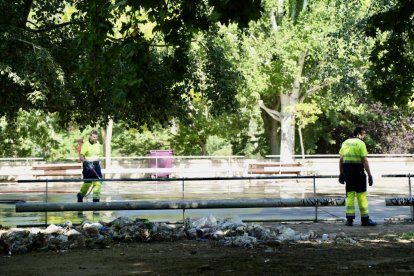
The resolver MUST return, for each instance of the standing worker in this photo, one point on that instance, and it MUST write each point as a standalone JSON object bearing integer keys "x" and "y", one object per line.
{"x": 89, "y": 156}
{"x": 352, "y": 163}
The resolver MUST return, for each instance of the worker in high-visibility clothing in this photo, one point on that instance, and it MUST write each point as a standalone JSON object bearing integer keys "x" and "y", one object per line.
{"x": 352, "y": 163}
{"x": 89, "y": 156}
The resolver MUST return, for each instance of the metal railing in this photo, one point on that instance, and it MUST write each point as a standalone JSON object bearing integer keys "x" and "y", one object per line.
{"x": 183, "y": 183}
{"x": 409, "y": 187}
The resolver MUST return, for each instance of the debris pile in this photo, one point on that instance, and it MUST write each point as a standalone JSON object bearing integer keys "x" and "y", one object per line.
{"x": 227, "y": 232}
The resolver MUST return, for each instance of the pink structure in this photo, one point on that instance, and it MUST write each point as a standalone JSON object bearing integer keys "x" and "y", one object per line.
{"x": 160, "y": 159}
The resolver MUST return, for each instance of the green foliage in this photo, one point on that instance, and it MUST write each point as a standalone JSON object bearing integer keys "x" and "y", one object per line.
{"x": 280, "y": 49}
{"x": 216, "y": 63}
{"x": 347, "y": 103}
{"x": 34, "y": 134}
{"x": 172, "y": 78}
{"x": 38, "y": 134}
{"x": 389, "y": 129}
{"x": 29, "y": 75}
{"x": 90, "y": 61}
{"x": 133, "y": 142}
{"x": 408, "y": 236}
{"x": 218, "y": 146}
{"x": 191, "y": 137}
{"x": 234, "y": 10}
{"x": 307, "y": 113}
{"x": 391, "y": 79}
{"x": 291, "y": 56}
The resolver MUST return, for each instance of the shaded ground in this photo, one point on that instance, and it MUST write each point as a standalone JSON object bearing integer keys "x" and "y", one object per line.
{"x": 385, "y": 249}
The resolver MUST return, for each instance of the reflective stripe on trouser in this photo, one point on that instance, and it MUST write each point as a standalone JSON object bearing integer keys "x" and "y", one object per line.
{"x": 96, "y": 189}
{"x": 362, "y": 203}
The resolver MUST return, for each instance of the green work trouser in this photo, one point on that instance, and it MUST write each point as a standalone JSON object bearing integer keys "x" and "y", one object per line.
{"x": 96, "y": 189}
{"x": 362, "y": 204}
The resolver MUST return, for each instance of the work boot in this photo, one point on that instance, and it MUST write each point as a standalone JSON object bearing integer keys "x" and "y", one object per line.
{"x": 80, "y": 197}
{"x": 95, "y": 200}
{"x": 349, "y": 222}
{"x": 367, "y": 222}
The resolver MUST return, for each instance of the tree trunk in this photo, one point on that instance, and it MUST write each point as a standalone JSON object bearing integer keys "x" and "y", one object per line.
{"x": 293, "y": 11}
{"x": 280, "y": 9}
{"x": 305, "y": 5}
{"x": 273, "y": 20}
{"x": 287, "y": 114}
{"x": 107, "y": 141}
{"x": 108, "y": 146}
{"x": 302, "y": 148}
{"x": 272, "y": 132}
{"x": 287, "y": 143}
{"x": 203, "y": 147}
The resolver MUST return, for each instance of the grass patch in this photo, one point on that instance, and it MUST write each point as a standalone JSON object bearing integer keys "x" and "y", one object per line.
{"x": 408, "y": 236}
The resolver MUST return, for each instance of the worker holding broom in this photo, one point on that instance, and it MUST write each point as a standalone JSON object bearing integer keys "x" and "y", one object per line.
{"x": 89, "y": 156}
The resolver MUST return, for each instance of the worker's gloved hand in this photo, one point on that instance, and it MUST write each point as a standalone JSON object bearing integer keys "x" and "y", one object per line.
{"x": 341, "y": 178}
{"x": 370, "y": 180}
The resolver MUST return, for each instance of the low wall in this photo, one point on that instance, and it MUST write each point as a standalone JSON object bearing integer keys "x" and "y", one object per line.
{"x": 378, "y": 165}
{"x": 214, "y": 167}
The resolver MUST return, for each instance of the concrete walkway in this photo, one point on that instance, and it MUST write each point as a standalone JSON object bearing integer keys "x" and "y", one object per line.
{"x": 377, "y": 209}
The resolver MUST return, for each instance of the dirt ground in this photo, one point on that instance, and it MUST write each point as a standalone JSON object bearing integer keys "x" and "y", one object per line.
{"x": 385, "y": 250}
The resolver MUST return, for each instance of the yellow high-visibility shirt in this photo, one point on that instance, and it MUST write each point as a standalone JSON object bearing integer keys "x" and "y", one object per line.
{"x": 92, "y": 152}
{"x": 352, "y": 150}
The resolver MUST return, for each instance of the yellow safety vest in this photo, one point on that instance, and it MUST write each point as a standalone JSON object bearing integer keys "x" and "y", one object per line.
{"x": 92, "y": 152}
{"x": 352, "y": 150}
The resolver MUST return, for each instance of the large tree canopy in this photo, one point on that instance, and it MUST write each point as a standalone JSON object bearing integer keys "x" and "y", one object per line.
{"x": 142, "y": 63}
{"x": 392, "y": 78}
{"x": 93, "y": 60}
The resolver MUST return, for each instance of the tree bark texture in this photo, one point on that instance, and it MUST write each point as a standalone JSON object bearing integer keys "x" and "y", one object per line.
{"x": 272, "y": 132}
{"x": 287, "y": 114}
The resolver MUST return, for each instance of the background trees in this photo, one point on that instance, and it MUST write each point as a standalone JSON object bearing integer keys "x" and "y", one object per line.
{"x": 168, "y": 74}
{"x": 317, "y": 52}
{"x": 391, "y": 78}
{"x": 94, "y": 60}
{"x": 292, "y": 45}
